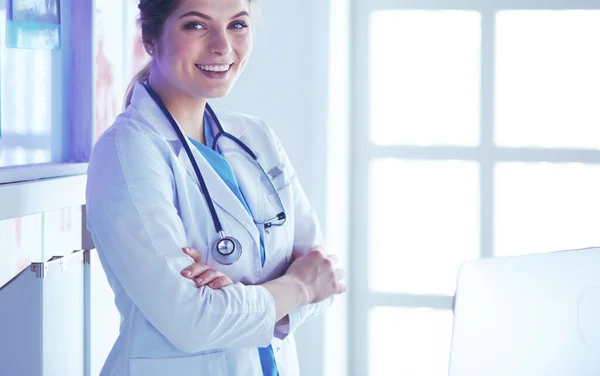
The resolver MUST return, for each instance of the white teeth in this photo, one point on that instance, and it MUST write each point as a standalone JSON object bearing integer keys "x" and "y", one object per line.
{"x": 214, "y": 68}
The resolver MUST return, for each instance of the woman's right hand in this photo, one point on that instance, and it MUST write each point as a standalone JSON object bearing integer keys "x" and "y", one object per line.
{"x": 318, "y": 275}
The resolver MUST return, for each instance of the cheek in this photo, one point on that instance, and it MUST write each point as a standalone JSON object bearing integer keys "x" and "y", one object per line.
{"x": 244, "y": 47}
{"x": 180, "y": 48}
{"x": 175, "y": 47}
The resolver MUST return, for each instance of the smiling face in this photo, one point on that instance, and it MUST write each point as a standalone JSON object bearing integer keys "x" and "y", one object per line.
{"x": 203, "y": 47}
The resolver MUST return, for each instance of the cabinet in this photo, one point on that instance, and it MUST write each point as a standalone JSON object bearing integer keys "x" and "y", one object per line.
{"x": 42, "y": 319}
{"x": 57, "y": 318}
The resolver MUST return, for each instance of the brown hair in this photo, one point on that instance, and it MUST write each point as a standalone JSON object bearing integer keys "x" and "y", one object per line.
{"x": 151, "y": 20}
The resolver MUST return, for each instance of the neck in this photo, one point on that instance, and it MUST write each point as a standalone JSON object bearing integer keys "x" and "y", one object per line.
{"x": 187, "y": 110}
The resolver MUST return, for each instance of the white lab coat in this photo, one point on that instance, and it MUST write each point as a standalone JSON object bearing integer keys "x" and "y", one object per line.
{"x": 144, "y": 204}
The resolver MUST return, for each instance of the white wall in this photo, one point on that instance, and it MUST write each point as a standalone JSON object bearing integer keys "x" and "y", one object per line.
{"x": 286, "y": 83}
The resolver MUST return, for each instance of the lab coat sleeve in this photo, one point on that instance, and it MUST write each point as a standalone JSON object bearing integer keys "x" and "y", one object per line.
{"x": 307, "y": 236}
{"x": 135, "y": 225}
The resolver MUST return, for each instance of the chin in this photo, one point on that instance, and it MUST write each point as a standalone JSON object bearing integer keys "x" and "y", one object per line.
{"x": 215, "y": 93}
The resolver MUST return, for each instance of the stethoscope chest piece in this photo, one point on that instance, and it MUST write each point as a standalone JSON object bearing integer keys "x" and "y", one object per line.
{"x": 227, "y": 250}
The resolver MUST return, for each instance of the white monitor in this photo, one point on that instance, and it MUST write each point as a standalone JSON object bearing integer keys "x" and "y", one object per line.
{"x": 533, "y": 315}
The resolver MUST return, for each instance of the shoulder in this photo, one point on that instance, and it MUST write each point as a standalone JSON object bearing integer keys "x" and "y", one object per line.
{"x": 127, "y": 141}
{"x": 244, "y": 123}
{"x": 128, "y": 129}
{"x": 238, "y": 117}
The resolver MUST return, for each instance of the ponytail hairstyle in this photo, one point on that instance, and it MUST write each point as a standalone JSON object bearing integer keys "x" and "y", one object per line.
{"x": 153, "y": 14}
{"x": 142, "y": 75}
{"x": 151, "y": 20}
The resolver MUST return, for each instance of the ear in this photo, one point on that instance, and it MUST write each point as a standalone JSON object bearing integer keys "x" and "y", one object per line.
{"x": 150, "y": 50}
{"x": 149, "y": 46}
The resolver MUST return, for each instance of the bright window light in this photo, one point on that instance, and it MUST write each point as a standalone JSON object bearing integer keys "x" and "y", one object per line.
{"x": 409, "y": 341}
{"x": 548, "y": 79}
{"x": 424, "y": 219}
{"x": 425, "y": 77}
{"x": 542, "y": 207}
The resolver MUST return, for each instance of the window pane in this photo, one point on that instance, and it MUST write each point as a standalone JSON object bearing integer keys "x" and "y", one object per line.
{"x": 542, "y": 207}
{"x": 547, "y": 78}
{"x": 16, "y": 156}
{"x": 424, "y": 223}
{"x": 409, "y": 341}
{"x": 424, "y": 72}
{"x": 29, "y": 112}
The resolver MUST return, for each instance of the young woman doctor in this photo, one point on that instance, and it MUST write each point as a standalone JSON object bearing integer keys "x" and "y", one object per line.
{"x": 205, "y": 234}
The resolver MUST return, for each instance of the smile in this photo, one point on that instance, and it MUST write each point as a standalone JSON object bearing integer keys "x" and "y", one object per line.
{"x": 214, "y": 68}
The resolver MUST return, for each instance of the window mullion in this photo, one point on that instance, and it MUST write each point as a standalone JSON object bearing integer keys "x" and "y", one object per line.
{"x": 371, "y": 5}
{"x": 403, "y": 300}
{"x": 360, "y": 161}
{"x": 487, "y": 132}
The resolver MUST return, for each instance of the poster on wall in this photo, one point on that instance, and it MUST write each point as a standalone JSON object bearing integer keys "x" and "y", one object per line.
{"x": 108, "y": 40}
{"x": 33, "y": 24}
{"x": 138, "y": 57}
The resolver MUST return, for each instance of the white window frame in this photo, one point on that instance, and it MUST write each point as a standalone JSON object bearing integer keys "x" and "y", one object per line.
{"x": 77, "y": 98}
{"x": 486, "y": 155}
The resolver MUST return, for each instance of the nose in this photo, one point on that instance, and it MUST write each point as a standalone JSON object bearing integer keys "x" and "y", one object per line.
{"x": 220, "y": 43}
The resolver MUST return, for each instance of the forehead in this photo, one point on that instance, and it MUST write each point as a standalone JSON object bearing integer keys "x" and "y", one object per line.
{"x": 213, "y": 8}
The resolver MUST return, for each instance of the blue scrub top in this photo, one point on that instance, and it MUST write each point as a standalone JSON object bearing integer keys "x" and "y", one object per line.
{"x": 223, "y": 168}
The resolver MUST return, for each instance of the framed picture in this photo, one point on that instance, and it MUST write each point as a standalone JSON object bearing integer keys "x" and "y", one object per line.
{"x": 33, "y": 24}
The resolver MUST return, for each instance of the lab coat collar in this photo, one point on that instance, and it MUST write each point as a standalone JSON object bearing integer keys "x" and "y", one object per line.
{"x": 145, "y": 105}
{"x": 221, "y": 194}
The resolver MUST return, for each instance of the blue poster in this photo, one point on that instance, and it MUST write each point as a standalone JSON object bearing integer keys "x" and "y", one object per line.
{"x": 33, "y": 24}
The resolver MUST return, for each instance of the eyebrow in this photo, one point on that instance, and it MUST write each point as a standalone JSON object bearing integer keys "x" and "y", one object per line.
{"x": 206, "y": 17}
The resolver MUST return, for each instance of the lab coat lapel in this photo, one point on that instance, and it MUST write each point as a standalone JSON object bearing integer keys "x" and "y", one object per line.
{"x": 220, "y": 193}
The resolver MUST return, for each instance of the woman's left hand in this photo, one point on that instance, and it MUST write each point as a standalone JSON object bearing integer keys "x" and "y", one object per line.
{"x": 202, "y": 274}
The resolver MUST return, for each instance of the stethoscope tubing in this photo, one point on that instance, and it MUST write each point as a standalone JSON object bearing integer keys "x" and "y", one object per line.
{"x": 227, "y": 250}
{"x": 203, "y": 187}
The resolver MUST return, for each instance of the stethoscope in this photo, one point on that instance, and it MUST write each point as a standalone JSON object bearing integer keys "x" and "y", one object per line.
{"x": 227, "y": 249}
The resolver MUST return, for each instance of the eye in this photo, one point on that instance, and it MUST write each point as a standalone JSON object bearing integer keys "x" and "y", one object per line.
{"x": 194, "y": 26}
{"x": 239, "y": 25}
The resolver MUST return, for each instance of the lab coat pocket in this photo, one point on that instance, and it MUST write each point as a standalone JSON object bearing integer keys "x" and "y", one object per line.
{"x": 281, "y": 180}
{"x": 279, "y": 175}
{"x": 213, "y": 364}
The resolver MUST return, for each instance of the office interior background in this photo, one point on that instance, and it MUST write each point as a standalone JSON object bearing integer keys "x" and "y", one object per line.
{"x": 426, "y": 133}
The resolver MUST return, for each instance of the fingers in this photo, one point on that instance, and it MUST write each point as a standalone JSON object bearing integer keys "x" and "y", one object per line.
{"x": 207, "y": 276}
{"x": 220, "y": 282}
{"x": 195, "y": 255}
{"x": 213, "y": 278}
{"x": 318, "y": 250}
{"x": 194, "y": 270}
{"x": 203, "y": 275}
{"x": 337, "y": 286}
